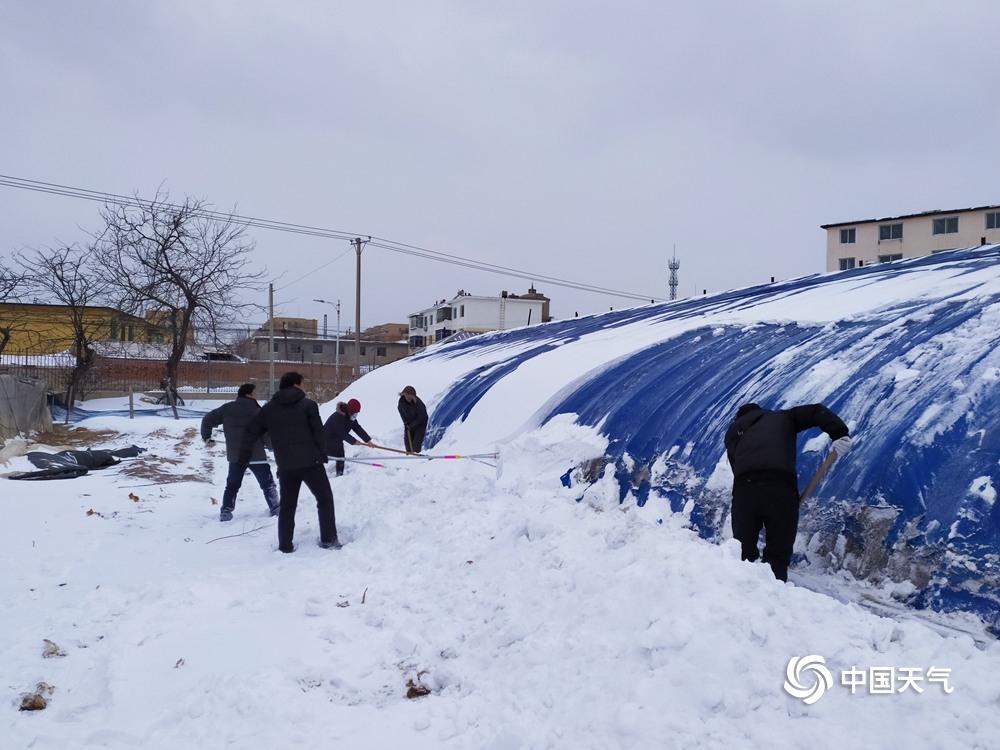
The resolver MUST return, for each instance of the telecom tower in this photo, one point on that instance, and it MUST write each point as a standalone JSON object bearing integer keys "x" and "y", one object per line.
{"x": 674, "y": 266}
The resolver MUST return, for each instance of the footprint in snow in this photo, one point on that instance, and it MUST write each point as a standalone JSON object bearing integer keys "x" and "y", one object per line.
{"x": 314, "y": 607}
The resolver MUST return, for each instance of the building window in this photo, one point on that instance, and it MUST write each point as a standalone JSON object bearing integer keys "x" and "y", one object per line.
{"x": 847, "y": 236}
{"x": 890, "y": 232}
{"x": 462, "y": 313}
{"x": 379, "y": 351}
{"x": 362, "y": 351}
{"x": 295, "y": 349}
{"x": 846, "y": 264}
{"x": 993, "y": 220}
{"x": 317, "y": 348}
{"x": 890, "y": 258}
{"x": 340, "y": 348}
{"x": 946, "y": 226}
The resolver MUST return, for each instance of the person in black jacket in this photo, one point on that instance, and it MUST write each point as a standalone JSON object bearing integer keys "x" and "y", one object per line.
{"x": 234, "y": 418}
{"x": 293, "y": 424}
{"x": 761, "y": 448}
{"x": 338, "y": 428}
{"x": 414, "y": 415}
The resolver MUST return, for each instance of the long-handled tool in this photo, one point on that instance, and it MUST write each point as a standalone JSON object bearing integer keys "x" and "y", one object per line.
{"x": 818, "y": 476}
{"x": 394, "y": 450}
{"x": 419, "y": 457}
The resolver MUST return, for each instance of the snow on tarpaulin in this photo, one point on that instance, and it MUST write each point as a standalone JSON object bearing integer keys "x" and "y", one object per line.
{"x": 907, "y": 353}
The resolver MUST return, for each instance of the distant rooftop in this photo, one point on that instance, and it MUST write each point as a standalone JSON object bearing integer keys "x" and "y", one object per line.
{"x": 935, "y": 212}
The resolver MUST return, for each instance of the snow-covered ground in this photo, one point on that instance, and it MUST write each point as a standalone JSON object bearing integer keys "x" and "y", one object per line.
{"x": 534, "y": 620}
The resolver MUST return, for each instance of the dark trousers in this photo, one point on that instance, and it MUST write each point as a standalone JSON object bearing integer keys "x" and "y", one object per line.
{"x": 336, "y": 450}
{"x": 262, "y": 472}
{"x": 318, "y": 483}
{"x": 414, "y": 439}
{"x": 772, "y": 505}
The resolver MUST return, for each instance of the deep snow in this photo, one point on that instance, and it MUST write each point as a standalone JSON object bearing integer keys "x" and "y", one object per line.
{"x": 535, "y": 620}
{"x": 908, "y": 353}
{"x": 536, "y": 614}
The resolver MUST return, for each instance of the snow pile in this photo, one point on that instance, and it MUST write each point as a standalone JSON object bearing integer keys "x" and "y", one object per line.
{"x": 530, "y": 619}
{"x": 908, "y": 353}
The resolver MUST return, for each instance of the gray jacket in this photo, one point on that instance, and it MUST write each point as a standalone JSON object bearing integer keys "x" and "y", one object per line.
{"x": 234, "y": 418}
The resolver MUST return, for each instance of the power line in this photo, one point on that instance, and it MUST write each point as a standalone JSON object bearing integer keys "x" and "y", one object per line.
{"x": 126, "y": 200}
{"x": 456, "y": 260}
{"x": 402, "y": 248}
{"x": 310, "y": 273}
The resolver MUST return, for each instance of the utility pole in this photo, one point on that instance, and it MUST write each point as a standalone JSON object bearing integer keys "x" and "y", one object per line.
{"x": 336, "y": 354}
{"x": 357, "y": 309}
{"x": 270, "y": 343}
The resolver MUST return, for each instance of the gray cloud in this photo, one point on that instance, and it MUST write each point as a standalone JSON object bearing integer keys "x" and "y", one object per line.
{"x": 577, "y": 139}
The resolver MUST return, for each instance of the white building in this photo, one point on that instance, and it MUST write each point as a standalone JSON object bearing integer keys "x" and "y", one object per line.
{"x": 850, "y": 244}
{"x": 475, "y": 314}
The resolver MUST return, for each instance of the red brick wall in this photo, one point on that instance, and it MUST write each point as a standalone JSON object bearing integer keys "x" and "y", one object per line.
{"x": 121, "y": 375}
{"x": 145, "y": 374}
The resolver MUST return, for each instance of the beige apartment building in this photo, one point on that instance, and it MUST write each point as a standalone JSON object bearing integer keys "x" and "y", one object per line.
{"x": 851, "y": 244}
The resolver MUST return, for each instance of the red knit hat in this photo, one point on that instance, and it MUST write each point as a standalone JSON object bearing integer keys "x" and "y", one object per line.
{"x": 353, "y": 406}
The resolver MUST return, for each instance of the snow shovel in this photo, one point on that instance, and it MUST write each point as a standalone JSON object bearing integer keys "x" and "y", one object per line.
{"x": 818, "y": 476}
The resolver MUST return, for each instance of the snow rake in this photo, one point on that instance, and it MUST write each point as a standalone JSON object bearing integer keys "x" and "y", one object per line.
{"x": 479, "y": 458}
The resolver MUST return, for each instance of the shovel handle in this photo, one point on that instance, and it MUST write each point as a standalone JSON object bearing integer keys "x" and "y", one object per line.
{"x": 818, "y": 476}
{"x": 394, "y": 450}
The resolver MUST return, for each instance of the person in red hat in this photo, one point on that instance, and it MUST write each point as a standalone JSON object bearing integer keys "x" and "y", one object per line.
{"x": 338, "y": 429}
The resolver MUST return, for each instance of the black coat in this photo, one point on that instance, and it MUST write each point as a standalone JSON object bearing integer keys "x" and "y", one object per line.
{"x": 414, "y": 415}
{"x": 296, "y": 431}
{"x": 234, "y": 418}
{"x": 762, "y": 442}
{"x": 338, "y": 429}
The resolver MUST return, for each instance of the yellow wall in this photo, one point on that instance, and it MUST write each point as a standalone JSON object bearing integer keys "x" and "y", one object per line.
{"x": 308, "y": 326}
{"x": 47, "y": 329}
{"x": 918, "y": 238}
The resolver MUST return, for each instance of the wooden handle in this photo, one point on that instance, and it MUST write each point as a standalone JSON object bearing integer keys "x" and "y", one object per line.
{"x": 394, "y": 450}
{"x": 818, "y": 476}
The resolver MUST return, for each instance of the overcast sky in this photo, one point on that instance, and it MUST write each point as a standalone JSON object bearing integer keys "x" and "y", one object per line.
{"x": 581, "y": 140}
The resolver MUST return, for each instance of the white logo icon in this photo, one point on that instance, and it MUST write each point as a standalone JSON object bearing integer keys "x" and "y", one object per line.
{"x": 821, "y": 681}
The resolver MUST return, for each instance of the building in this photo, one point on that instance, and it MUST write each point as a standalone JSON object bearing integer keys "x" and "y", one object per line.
{"x": 387, "y": 332}
{"x": 48, "y": 329}
{"x": 162, "y": 320}
{"x": 471, "y": 313}
{"x": 289, "y": 347}
{"x": 850, "y": 244}
{"x": 297, "y": 340}
{"x": 304, "y": 326}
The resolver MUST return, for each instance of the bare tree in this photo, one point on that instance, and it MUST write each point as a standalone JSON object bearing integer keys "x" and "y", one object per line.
{"x": 12, "y": 286}
{"x": 179, "y": 262}
{"x": 68, "y": 276}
